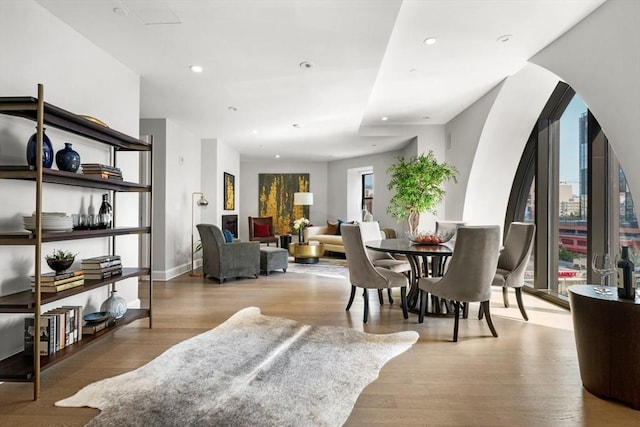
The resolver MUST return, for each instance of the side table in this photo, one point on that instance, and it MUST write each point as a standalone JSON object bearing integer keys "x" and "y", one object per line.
{"x": 306, "y": 254}
{"x": 608, "y": 342}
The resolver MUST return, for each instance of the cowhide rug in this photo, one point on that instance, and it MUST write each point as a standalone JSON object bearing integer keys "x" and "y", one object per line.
{"x": 251, "y": 370}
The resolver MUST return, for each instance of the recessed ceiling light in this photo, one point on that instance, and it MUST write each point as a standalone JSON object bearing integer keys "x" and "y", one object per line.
{"x": 296, "y": 125}
{"x": 277, "y": 156}
{"x": 504, "y": 38}
{"x": 425, "y": 117}
{"x": 120, "y": 11}
{"x": 413, "y": 70}
{"x": 384, "y": 119}
{"x": 232, "y": 109}
{"x": 430, "y": 40}
{"x": 196, "y": 68}
{"x": 305, "y": 65}
{"x": 255, "y": 131}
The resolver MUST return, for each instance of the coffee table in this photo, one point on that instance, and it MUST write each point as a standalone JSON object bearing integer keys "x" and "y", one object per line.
{"x": 306, "y": 254}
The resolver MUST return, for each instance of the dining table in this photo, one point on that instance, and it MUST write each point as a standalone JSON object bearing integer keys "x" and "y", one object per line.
{"x": 418, "y": 256}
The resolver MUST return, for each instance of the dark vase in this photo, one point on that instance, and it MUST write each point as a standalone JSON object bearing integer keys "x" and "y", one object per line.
{"x": 300, "y": 235}
{"x": 67, "y": 159}
{"x": 47, "y": 150}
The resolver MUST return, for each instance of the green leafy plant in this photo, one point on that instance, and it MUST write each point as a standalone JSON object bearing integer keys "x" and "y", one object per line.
{"x": 60, "y": 255}
{"x": 418, "y": 184}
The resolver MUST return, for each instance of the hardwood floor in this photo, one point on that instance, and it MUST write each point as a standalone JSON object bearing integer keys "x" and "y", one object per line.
{"x": 527, "y": 377}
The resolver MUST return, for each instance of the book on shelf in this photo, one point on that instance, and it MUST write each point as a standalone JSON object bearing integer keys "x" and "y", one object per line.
{"x": 53, "y": 277}
{"x": 100, "y": 167}
{"x": 95, "y": 266}
{"x": 46, "y": 335}
{"x": 93, "y": 328}
{"x": 79, "y": 275}
{"x": 101, "y": 259}
{"x": 62, "y": 287}
{"x": 103, "y": 275}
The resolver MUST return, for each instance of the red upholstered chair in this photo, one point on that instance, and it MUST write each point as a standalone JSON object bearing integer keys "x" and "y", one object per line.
{"x": 261, "y": 230}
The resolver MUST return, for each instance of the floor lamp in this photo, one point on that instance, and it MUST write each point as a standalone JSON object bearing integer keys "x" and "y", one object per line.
{"x": 200, "y": 202}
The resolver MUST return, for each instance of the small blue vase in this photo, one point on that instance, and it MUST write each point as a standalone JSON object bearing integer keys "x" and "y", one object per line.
{"x": 47, "y": 150}
{"x": 67, "y": 159}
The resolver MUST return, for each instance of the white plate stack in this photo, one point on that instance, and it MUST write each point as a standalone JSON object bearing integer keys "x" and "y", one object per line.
{"x": 51, "y": 221}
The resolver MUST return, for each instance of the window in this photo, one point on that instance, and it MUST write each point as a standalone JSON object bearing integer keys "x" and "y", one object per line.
{"x": 570, "y": 184}
{"x": 367, "y": 192}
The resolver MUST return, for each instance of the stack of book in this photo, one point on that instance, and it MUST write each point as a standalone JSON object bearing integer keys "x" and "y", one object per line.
{"x": 91, "y": 328}
{"x": 102, "y": 267}
{"x": 102, "y": 171}
{"x": 56, "y": 282}
{"x": 59, "y": 328}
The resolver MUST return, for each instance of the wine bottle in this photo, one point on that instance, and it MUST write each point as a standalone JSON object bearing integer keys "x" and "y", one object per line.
{"x": 626, "y": 286}
{"x": 105, "y": 213}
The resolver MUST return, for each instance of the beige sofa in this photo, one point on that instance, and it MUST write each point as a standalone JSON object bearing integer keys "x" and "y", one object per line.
{"x": 333, "y": 242}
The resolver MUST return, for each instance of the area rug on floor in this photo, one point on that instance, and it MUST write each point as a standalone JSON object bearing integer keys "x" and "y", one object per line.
{"x": 326, "y": 267}
{"x": 251, "y": 370}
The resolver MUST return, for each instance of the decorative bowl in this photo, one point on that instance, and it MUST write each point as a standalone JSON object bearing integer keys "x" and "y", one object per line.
{"x": 96, "y": 317}
{"x": 430, "y": 238}
{"x": 59, "y": 265}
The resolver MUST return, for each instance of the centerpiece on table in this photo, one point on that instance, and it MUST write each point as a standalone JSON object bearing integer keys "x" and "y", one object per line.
{"x": 300, "y": 224}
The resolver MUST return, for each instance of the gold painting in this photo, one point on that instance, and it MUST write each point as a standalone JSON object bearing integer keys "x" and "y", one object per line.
{"x": 276, "y": 199}
{"x": 229, "y": 192}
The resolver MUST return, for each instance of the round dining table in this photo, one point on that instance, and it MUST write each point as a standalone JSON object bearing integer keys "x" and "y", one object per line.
{"x": 418, "y": 257}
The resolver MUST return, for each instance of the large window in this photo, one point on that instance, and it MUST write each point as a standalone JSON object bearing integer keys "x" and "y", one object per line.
{"x": 367, "y": 192}
{"x": 570, "y": 184}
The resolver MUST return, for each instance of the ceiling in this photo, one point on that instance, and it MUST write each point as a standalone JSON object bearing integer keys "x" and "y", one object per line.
{"x": 368, "y": 60}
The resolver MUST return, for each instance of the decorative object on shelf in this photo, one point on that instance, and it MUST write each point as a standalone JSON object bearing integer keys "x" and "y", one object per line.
{"x": 418, "y": 186}
{"x": 229, "y": 192}
{"x": 97, "y": 317}
{"x": 115, "y": 305}
{"x": 60, "y": 260}
{"x": 68, "y": 159}
{"x": 51, "y": 222}
{"x": 47, "y": 150}
{"x": 94, "y": 120}
{"x": 102, "y": 171}
{"x": 429, "y": 238}
{"x": 105, "y": 214}
{"x": 300, "y": 224}
{"x": 200, "y": 202}
{"x": 626, "y": 275}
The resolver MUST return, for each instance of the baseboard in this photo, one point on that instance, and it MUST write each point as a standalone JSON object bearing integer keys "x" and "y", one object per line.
{"x": 163, "y": 276}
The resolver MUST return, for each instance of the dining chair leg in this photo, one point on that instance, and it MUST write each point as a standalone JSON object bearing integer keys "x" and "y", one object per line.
{"x": 465, "y": 310}
{"x": 456, "y": 320}
{"x": 403, "y": 301}
{"x": 353, "y": 294}
{"x": 390, "y": 294}
{"x": 365, "y": 295}
{"x": 380, "y": 297}
{"x": 423, "y": 305}
{"x": 520, "y": 304}
{"x": 485, "y": 307}
{"x": 480, "y": 312}
{"x": 505, "y": 296}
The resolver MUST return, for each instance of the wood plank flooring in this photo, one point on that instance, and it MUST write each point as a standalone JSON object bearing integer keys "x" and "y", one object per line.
{"x": 527, "y": 377}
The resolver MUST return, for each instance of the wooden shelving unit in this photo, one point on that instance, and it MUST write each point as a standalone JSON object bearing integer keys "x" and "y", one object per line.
{"x": 28, "y": 368}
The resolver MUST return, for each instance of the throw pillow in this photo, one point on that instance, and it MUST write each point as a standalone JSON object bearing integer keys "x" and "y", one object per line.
{"x": 332, "y": 227}
{"x": 228, "y": 237}
{"x": 261, "y": 230}
{"x": 340, "y": 222}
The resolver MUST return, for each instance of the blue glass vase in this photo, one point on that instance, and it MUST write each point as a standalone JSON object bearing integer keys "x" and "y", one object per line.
{"x": 47, "y": 150}
{"x": 67, "y": 159}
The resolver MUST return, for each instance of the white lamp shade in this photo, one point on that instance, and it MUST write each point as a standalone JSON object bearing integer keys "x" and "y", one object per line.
{"x": 303, "y": 198}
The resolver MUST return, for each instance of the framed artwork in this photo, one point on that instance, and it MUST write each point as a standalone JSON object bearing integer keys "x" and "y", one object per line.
{"x": 229, "y": 191}
{"x": 230, "y": 222}
{"x": 275, "y": 199}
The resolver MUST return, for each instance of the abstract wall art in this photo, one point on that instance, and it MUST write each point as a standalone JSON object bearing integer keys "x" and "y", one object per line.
{"x": 276, "y": 199}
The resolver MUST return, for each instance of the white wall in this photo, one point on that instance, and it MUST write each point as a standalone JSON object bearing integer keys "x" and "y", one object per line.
{"x": 176, "y": 169}
{"x": 78, "y": 77}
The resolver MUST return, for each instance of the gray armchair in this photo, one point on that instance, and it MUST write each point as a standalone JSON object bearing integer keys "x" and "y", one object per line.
{"x": 363, "y": 274}
{"x": 222, "y": 260}
{"x": 470, "y": 273}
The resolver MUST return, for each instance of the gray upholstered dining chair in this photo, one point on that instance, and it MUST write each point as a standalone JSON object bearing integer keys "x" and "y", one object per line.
{"x": 371, "y": 231}
{"x": 223, "y": 260}
{"x": 438, "y": 263}
{"x": 512, "y": 262}
{"x": 470, "y": 273}
{"x": 363, "y": 274}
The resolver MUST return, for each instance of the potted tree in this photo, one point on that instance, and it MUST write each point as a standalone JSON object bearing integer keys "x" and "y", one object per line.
{"x": 418, "y": 183}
